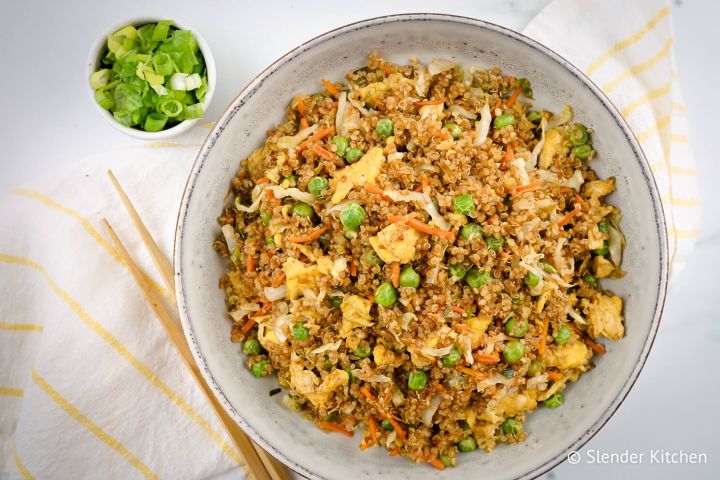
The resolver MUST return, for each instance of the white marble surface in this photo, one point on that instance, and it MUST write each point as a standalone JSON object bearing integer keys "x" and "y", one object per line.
{"x": 48, "y": 120}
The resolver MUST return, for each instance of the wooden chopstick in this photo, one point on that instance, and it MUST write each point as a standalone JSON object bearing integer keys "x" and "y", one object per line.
{"x": 241, "y": 441}
{"x": 277, "y": 470}
{"x": 161, "y": 262}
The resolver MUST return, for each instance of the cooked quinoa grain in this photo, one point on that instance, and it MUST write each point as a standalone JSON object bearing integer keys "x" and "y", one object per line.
{"x": 417, "y": 253}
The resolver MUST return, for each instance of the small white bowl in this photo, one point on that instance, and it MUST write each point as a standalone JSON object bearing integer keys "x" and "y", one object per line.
{"x": 97, "y": 52}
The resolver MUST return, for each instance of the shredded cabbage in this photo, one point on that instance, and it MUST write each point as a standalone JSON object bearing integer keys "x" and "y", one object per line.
{"x": 616, "y": 239}
{"x": 532, "y": 163}
{"x": 275, "y": 293}
{"x": 427, "y": 414}
{"x": 327, "y": 347}
{"x": 561, "y": 118}
{"x": 340, "y": 114}
{"x": 295, "y": 193}
{"x": 229, "y": 233}
{"x": 289, "y": 143}
{"x": 439, "y": 65}
{"x": 482, "y": 127}
{"x": 457, "y": 110}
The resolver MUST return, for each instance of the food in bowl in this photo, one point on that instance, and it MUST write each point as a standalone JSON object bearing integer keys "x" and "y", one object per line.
{"x": 417, "y": 252}
{"x": 151, "y": 77}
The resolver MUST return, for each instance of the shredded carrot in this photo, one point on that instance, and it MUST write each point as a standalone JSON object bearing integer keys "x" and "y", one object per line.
{"x": 484, "y": 358}
{"x": 331, "y": 88}
{"x": 543, "y": 336}
{"x": 264, "y": 309}
{"x": 462, "y": 328}
{"x": 423, "y": 103}
{"x": 323, "y": 152}
{"x": 279, "y": 280}
{"x": 398, "y": 428}
{"x": 395, "y": 273}
{"x": 318, "y": 135}
{"x": 509, "y": 155}
{"x": 387, "y": 69}
{"x": 262, "y": 180}
{"x": 334, "y": 427}
{"x": 471, "y": 372}
{"x": 269, "y": 193}
{"x": 565, "y": 190}
{"x": 457, "y": 310}
{"x": 439, "y": 387}
{"x": 269, "y": 133}
{"x": 251, "y": 263}
{"x": 247, "y": 326}
{"x": 424, "y": 182}
{"x": 373, "y": 429}
{"x": 435, "y": 462}
{"x": 303, "y": 122}
{"x": 365, "y": 391}
{"x": 596, "y": 347}
{"x": 394, "y": 452}
{"x": 301, "y": 106}
{"x": 353, "y": 267}
{"x": 309, "y": 237}
{"x": 534, "y": 185}
{"x": 421, "y": 227}
{"x": 497, "y": 104}
{"x": 513, "y": 98}
{"x": 335, "y": 104}
{"x": 555, "y": 376}
{"x": 377, "y": 191}
{"x": 566, "y": 219}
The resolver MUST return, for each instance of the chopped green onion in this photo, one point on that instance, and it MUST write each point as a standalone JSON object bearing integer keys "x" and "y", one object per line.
{"x": 100, "y": 78}
{"x": 162, "y": 63}
{"x": 161, "y": 30}
{"x": 155, "y": 122}
{"x": 171, "y": 108}
{"x": 195, "y": 110}
{"x": 104, "y": 99}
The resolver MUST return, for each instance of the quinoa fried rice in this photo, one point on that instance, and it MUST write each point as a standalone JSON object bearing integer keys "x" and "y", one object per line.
{"x": 416, "y": 253}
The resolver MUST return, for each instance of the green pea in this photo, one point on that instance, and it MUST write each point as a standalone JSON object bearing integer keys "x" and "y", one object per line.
{"x": 457, "y": 271}
{"x": 536, "y": 366}
{"x": 590, "y": 280}
{"x": 511, "y": 426}
{"x": 270, "y": 240}
{"x": 514, "y": 350}
{"x": 534, "y": 116}
{"x": 502, "y": 121}
{"x": 385, "y": 295}
{"x": 409, "y": 278}
{"x": 446, "y": 460}
{"x": 384, "y": 127}
{"x": 374, "y": 259}
{"x": 547, "y": 267}
{"x": 353, "y": 155}
{"x": 554, "y": 400}
{"x": 603, "y": 227}
{"x": 291, "y": 179}
{"x": 470, "y": 231}
{"x": 299, "y": 332}
{"x": 362, "y": 352}
{"x": 317, "y": 185}
{"x": 516, "y": 328}
{"x": 336, "y": 301}
{"x": 265, "y": 217}
{"x": 508, "y": 373}
{"x": 341, "y": 144}
{"x": 302, "y": 209}
{"x": 417, "y": 380}
{"x": 578, "y": 135}
{"x": 251, "y": 347}
{"x": 387, "y": 425}
{"x": 602, "y": 251}
{"x": 258, "y": 369}
{"x": 454, "y": 129}
{"x": 452, "y": 358}
{"x": 467, "y": 444}
{"x": 352, "y": 216}
{"x": 563, "y": 335}
{"x": 494, "y": 243}
{"x": 582, "y": 152}
{"x": 476, "y": 278}
{"x": 532, "y": 279}
{"x": 464, "y": 204}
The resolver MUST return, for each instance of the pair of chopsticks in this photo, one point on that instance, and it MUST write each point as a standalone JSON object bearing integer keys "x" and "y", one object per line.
{"x": 260, "y": 463}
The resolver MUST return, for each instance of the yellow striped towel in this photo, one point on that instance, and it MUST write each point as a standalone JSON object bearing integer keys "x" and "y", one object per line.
{"x": 626, "y": 49}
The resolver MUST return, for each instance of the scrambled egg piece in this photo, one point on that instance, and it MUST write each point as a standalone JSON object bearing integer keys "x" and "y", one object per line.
{"x": 602, "y": 267}
{"x": 372, "y": 93}
{"x": 554, "y": 144}
{"x": 605, "y": 316}
{"x": 355, "y": 313}
{"x": 299, "y": 276}
{"x": 418, "y": 358}
{"x": 508, "y": 406}
{"x": 383, "y": 356}
{"x": 573, "y": 354}
{"x": 395, "y": 243}
{"x": 599, "y": 188}
{"x": 478, "y": 326}
{"x": 361, "y": 172}
{"x": 305, "y": 382}
{"x": 266, "y": 335}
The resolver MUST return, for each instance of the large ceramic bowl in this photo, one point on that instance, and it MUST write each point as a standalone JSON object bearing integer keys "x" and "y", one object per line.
{"x": 297, "y": 442}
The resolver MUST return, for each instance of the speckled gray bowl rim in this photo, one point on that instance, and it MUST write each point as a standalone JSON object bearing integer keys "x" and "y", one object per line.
{"x": 257, "y": 83}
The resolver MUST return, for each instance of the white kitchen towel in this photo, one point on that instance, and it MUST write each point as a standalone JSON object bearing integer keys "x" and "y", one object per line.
{"x": 89, "y": 385}
{"x": 626, "y": 50}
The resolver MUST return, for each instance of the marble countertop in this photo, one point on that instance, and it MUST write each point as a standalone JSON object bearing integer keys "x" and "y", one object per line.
{"x": 671, "y": 408}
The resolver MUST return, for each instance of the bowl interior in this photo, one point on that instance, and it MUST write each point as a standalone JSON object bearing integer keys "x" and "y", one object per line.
{"x": 589, "y": 403}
